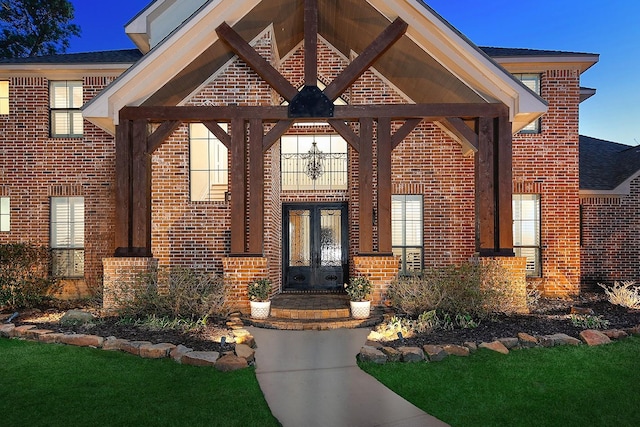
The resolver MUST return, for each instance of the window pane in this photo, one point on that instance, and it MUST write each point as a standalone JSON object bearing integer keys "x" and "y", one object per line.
{"x": 526, "y": 230}
{"x": 4, "y": 97}
{"x": 5, "y": 214}
{"x": 67, "y": 236}
{"x": 209, "y": 164}
{"x": 60, "y": 123}
{"x": 407, "y": 231}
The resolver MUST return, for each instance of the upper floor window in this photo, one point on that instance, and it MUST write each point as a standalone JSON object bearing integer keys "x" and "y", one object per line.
{"x": 406, "y": 232}
{"x": 65, "y": 102}
{"x": 4, "y": 97}
{"x": 526, "y": 231}
{"x": 532, "y": 81}
{"x": 5, "y": 214}
{"x": 313, "y": 162}
{"x": 208, "y": 166}
{"x": 67, "y": 236}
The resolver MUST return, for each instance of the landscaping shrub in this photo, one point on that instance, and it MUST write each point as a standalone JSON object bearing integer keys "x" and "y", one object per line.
{"x": 626, "y": 294}
{"x": 471, "y": 289}
{"x": 25, "y": 279}
{"x": 175, "y": 292}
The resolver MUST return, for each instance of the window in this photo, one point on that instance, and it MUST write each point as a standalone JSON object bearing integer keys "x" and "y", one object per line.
{"x": 532, "y": 81}
{"x": 4, "y": 97}
{"x": 209, "y": 165}
{"x": 67, "y": 236}
{"x": 526, "y": 231}
{"x": 406, "y": 231}
{"x": 66, "y": 100}
{"x": 5, "y": 214}
{"x": 313, "y": 162}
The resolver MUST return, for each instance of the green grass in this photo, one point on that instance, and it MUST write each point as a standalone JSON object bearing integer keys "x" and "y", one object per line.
{"x": 560, "y": 386}
{"x": 57, "y": 385}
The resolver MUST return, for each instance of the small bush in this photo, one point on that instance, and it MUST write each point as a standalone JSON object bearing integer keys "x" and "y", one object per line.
{"x": 471, "y": 289}
{"x": 626, "y": 294}
{"x": 358, "y": 288}
{"x": 259, "y": 290}
{"x": 25, "y": 279}
{"x": 176, "y": 292}
{"x": 589, "y": 322}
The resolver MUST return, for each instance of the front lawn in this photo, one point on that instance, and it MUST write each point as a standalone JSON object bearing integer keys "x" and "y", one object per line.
{"x": 560, "y": 386}
{"x": 57, "y": 385}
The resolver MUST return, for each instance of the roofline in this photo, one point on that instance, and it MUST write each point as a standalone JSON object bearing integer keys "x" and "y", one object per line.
{"x": 584, "y": 61}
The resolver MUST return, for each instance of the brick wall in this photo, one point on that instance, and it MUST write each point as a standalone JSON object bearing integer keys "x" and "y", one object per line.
{"x": 120, "y": 278}
{"x": 547, "y": 164}
{"x": 35, "y": 167}
{"x": 610, "y": 248}
{"x": 380, "y": 270}
{"x": 238, "y": 273}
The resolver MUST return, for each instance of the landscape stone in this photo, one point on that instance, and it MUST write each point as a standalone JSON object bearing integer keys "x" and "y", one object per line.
{"x": 76, "y": 317}
{"x": 246, "y": 352}
{"x": 178, "y": 353}
{"x": 50, "y": 338}
{"x": 584, "y": 311}
{"x": 392, "y": 354}
{"x": 472, "y": 346}
{"x": 230, "y": 363}
{"x": 615, "y": 334}
{"x": 545, "y": 341}
{"x": 527, "y": 340}
{"x": 509, "y": 342}
{"x": 372, "y": 354}
{"x": 156, "y": 351}
{"x": 634, "y": 331}
{"x": 496, "y": 346}
{"x": 20, "y": 331}
{"x": 456, "y": 350}
{"x": 113, "y": 343}
{"x": 411, "y": 354}
{"x": 6, "y": 330}
{"x": 375, "y": 344}
{"x": 374, "y": 336}
{"x": 133, "y": 347}
{"x": 563, "y": 339}
{"x": 200, "y": 358}
{"x": 82, "y": 340}
{"x": 434, "y": 353}
{"x": 591, "y": 337}
{"x": 36, "y": 333}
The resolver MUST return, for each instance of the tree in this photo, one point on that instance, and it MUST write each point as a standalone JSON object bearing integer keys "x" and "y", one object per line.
{"x": 35, "y": 27}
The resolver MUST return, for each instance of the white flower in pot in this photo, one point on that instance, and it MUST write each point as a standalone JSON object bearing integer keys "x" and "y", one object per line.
{"x": 259, "y": 298}
{"x": 359, "y": 290}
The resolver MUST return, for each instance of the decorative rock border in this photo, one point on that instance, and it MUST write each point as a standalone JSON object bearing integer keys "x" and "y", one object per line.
{"x": 377, "y": 352}
{"x": 240, "y": 357}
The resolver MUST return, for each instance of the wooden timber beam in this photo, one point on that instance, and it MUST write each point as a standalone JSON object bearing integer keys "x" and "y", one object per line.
{"x": 219, "y": 133}
{"x": 238, "y": 187}
{"x": 505, "y": 186}
{"x": 346, "y": 132}
{"x": 365, "y": 190}
{"x": 428, "y": 112}
{"x": 260, "y": 65}
{"x": 141, "y": 190}
{"x": 311, "y": 42}
{"x": 458, "y": 130}
{"x": 275, "y": 133}
{"x": 384, "y": 186}
{"x": 160, "y": 135}
{"x": 256, "y": 188}
{"x": 365, "y": 60}
{"x": 404, "y": 131}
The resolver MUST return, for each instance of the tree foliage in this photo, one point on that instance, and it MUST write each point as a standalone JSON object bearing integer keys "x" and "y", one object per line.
{"x": 35, "y": 27}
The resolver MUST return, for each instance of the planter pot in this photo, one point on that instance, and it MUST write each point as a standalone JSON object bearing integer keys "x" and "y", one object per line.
{"x": 360, "y": 309}
{"x": 260, "y": 309}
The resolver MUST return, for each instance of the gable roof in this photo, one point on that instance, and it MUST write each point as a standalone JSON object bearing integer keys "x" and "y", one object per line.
{"x": 124, "y": 56}
{"x": 433, "y": 62}
{"x": 607, "y": 167}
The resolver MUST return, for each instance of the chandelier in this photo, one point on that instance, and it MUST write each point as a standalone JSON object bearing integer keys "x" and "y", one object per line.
{"x": 315, "y": 162}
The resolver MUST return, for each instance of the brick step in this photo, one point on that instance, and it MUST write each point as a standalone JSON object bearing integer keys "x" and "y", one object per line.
{"x": 315, "y": 324}
{"x": 315, "y": 314}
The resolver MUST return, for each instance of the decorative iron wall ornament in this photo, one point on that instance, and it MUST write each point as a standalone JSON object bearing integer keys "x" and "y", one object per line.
{"x": 315, "y": 161}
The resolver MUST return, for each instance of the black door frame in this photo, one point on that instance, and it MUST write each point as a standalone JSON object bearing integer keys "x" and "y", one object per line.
{"x": 340, "y": 272}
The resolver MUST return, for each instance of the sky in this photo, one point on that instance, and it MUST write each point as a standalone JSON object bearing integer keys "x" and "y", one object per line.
{"x": 610, "y": 28}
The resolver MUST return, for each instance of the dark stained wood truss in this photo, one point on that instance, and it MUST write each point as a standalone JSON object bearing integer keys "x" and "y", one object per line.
{"x": 135, "y": 144}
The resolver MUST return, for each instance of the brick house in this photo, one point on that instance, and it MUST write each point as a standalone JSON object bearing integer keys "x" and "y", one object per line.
{"x": 305, "y": 141}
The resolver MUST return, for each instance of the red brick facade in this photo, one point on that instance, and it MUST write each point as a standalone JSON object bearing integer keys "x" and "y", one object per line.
{"x": 35, "y": 167}
{"x": 609, "y": 237}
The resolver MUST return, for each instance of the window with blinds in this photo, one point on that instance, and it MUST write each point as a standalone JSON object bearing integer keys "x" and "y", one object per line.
{"x": 532, "y": 81}
{"x": 65, "y": 103}
{"x": 5, "y": 214}
{"x": 4, "y": 97}
{"x": 407, "y": 227}
{"x": 208, "y": 165}
{"x": 67, "y": 236}
{"x": 526, "y": 231}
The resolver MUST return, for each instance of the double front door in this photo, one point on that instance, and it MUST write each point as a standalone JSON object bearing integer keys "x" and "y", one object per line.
{"x": 315, "y": 246}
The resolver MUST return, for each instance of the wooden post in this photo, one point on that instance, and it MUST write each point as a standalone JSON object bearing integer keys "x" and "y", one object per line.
{"x": 238, "y": 187}
{"x": 384, "y": 186}
{"x": 505, "y": 187}
{"x": 141, "y": 185}
{"x": 123, "y": 188}
{"x": 256, "y": 188}
{"x": 485, "y": 187}
{"x": 365, "y": 176}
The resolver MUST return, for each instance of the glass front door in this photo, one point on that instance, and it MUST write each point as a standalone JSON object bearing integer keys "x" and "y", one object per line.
{"x": 315, "y": 246}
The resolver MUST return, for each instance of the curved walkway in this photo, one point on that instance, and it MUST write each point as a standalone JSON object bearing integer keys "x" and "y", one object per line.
{"x": 310, "y": 378}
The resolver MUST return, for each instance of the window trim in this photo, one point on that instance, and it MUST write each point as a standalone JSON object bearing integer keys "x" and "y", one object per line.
{"x": 70, "y": 251}
{"x": 68, "y": 109}
{"x": 537, "y": 272}
{"x": 403, "y": 271}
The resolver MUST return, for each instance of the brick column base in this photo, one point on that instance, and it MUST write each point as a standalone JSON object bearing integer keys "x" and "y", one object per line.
{"x": 515, "y": 268}
{"x": 120, "y": 278}
{"x": 238, "y": 272}
{"x": 380, "y": 270}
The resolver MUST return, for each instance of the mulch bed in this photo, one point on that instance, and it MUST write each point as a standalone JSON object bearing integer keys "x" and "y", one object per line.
{"x": 550, "y": 316}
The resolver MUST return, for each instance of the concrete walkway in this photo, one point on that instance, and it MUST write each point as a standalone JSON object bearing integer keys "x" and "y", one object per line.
{"x": 310, "y": 378}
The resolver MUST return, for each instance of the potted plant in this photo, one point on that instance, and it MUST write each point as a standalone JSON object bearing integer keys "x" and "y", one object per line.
{"x": 359, "y": 289}
{"x": 259, "y": 298}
